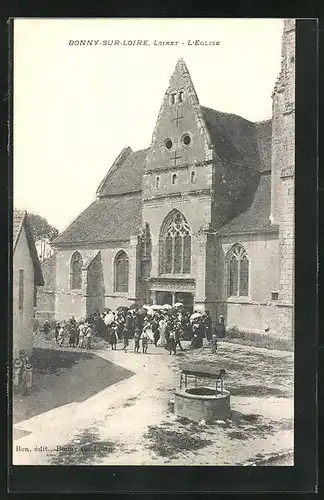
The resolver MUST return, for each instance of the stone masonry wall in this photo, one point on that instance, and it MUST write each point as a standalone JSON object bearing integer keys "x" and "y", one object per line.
{"x": 283, "y": 162}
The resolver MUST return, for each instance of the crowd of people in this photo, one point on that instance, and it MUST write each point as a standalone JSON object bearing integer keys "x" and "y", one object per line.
{"x": 163, "y": 327}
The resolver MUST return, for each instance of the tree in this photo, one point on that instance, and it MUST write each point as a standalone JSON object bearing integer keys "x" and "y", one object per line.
{"x": 43, "y": 232}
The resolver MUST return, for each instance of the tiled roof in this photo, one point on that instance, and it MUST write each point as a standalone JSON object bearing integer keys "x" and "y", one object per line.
{"x": 20, "y": 220}
{"x": 106, "y": 219}
{"x": 264, "y": 137}
{"x": 234, "y": 138}
{"x": 256, "y": 218}
{"x": 127, "y": 177}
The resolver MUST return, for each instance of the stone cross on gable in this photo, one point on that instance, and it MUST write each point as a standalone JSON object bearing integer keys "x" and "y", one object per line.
{"x": 177, "y": 118}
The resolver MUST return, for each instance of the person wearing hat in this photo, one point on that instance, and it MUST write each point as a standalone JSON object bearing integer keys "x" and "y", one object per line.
{"x": 220, "y": 329}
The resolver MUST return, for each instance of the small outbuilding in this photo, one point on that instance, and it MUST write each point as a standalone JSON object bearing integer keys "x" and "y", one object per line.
{"x": 27, "y": 275}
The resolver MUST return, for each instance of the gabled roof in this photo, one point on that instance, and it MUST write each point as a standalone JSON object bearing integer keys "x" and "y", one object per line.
{"x": 125, "y": 175}
{"x": 108, "y": 219}
{"x": 19, "y": 221}
{"x": 257, "y": 216}
{"x": 233, "y": 137}
{"x": 264, "y": 137}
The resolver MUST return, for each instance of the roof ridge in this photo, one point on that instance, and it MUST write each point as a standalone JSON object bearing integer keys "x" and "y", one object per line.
{"x": 226, "y": 113}
{"x": 125, "y": 152}
{"x": 22, "y": 214}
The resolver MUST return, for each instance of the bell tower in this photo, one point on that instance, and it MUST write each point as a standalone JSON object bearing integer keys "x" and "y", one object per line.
{"x": 283, "y": 162}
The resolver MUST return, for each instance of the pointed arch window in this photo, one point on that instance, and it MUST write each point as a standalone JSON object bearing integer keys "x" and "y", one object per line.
{"x": 238, "y": 272}
{"x": 76, "y": 271}
{"x": 175, "y": 245}
{"x": 121, "y": 272}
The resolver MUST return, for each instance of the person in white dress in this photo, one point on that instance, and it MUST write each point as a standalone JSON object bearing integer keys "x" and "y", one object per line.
{"x": 162, "y": 326}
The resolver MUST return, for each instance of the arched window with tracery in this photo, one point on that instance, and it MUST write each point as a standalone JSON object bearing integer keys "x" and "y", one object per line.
{"x": 175, "y": 245}
{"x": 76, "y": 271}
{"x": 238, "y": 272}
{"x": 121, "y": 272}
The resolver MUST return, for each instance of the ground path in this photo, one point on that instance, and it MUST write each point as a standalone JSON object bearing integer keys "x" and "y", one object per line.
{"x": 131, "y": 422}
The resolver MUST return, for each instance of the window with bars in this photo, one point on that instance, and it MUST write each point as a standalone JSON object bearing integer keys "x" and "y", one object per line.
{"x": 175, "y": 245}
{"x": 121, "y": 272}
{"x": 76, "y": 271}
{"x": 238, "y": 272}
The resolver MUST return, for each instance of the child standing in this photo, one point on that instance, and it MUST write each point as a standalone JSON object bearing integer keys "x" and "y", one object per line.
{"x": 57, "y": 331}
{"x": 137, "y": 340}
{"x": 125, "y": 337}
{"x": 61, "y": 336}
{"x": 81, "y": 330}
{"x": 172, "y": 343}
{"x": 89, "y": 337}
{"x": 113, "y": 337}
{"x": 214, "y": 343}
{"x": 71, "y": 335}
{"x": 145, "y": 339}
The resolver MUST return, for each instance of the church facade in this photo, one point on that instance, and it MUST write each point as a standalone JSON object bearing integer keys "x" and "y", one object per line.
{"x": 203, "y": 216}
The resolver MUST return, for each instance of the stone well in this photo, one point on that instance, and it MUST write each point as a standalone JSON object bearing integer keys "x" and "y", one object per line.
{"x": 201, "y": 403}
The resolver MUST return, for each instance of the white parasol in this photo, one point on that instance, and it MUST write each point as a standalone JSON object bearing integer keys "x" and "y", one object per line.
{"x": 156, "y": 307}
{"x": 178, "y": 304}
{"x": 195, "y": 315}
{"x": 146, "y": 307}
{"x": 166, "y": 306}
{"x": 109, "y": 318}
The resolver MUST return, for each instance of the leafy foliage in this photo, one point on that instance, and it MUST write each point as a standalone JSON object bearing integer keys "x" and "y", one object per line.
{"x": 41, "y": 229}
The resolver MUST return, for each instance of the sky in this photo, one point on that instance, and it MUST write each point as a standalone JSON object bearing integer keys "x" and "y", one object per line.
{"x": 76, "y": 107}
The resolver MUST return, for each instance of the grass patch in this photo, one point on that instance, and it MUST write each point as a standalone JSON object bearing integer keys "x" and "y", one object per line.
{"x": 53, "y": 361}
{"x": 84, "y": 449}
{"x": 264, "y": 340}
{"x": 169, "y": 444}
{"x": 255, "y": 391}
{"x": 64, "y": 377}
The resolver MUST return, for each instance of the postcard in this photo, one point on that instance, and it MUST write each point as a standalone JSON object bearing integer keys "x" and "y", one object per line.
{"x": 153, "y": 242}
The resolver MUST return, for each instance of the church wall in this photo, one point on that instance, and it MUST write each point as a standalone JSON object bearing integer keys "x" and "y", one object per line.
{"x": 73, "y": 303}
{"x": 213, "y": 271}
{"x": 197, "y": 211}
{"x": 255, "y": 317}
{"x": 203, "y": 177}
{"x": 258, "y": 311}
{"x": 68, "y": 302}
{"x": 263, "y": 255}
{"x": 45, "y": 306}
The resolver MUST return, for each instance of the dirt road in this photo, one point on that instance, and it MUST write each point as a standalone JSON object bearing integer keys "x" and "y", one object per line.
{"x": 132, "y": 421}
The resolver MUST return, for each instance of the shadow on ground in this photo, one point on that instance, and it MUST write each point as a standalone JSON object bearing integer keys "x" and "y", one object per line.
{"x": 84, "y": 449}
{"x": 170, "y": 443}
{"x": 63, "y": 377}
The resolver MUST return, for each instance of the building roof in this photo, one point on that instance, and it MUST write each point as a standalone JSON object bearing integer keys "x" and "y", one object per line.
{"x": 234, "y": 138}
{"x": 264, "y": 137}
{"x": 20, "y": 220}
{"x": 125, "y": 175}
{"x": 257, "y": 216}
{"x": 105, "y": 220}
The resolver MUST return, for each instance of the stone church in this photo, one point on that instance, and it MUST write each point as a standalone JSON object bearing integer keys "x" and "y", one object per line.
{"x": 203, "y": 216}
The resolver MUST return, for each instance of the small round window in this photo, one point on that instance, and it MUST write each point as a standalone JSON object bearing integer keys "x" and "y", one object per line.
{"x": 168, "y": 143}
{"x": 186, "y": 139}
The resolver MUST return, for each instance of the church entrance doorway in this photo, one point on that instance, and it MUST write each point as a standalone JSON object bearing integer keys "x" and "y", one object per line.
{"x": 186, "y": 299}
{"x": 171, "y": 298}
{"x": 163, "y": 298}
